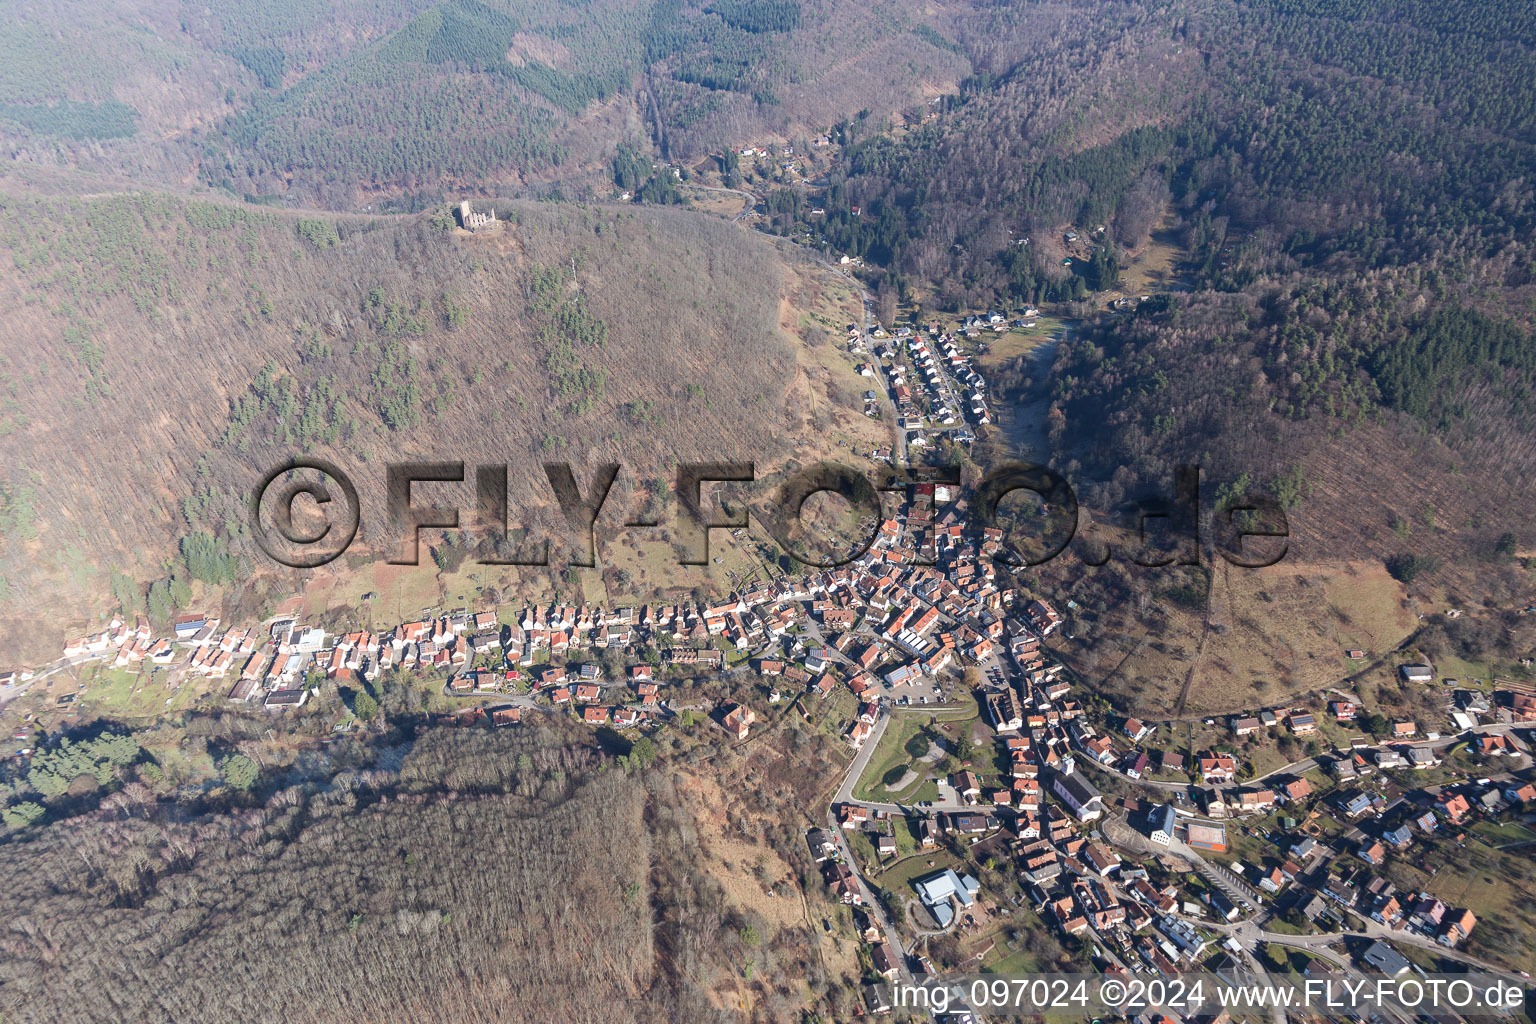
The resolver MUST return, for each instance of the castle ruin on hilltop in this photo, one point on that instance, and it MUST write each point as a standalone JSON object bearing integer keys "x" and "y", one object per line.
{"x": 472, "y": 221}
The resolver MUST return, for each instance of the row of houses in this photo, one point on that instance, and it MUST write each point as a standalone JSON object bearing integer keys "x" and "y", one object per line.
{"x": 926, "y": 617}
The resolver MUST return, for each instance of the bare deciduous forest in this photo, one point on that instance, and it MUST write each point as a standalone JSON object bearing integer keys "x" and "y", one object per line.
{"x": 182, "y": 347}
{"x": 228, "y": 236}
{"x": 489, "y": 877}
{"x": 439, "y": 874}
{"x": 268, "y": 100}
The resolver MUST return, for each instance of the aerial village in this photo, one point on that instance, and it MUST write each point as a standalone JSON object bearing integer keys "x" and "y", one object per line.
{"x": 989, "y": 796}
{"x": 1161, "y": 880}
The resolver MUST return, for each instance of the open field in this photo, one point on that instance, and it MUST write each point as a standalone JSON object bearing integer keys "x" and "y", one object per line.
{"x": 1274, "y": 634}
{"x": 1154, "y": 267}
{"x": 1003, "y": 348}
{"x": 1498, "y": 886}
{"x": 1001, "y": 960}
{"x": 132, "y": 694}
{"x": 1504, "y": 834}
{"x": 721, "y": 204}
{"x": 400, "y": 591}
{"x": 1283, "y": 630}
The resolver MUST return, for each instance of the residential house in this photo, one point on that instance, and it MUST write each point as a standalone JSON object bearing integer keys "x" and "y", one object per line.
{"x": 1454, "y": 806}
{"x": 885, "y": 960}
{"x": 1457, "y": 926}
{"x": 738, "y": 721}
{"x": 1218, "y": 768}
{"x": 1302, "y": 723}
{"x": 1386, "y": 959}
{"x": 1353, "y": 803}
{"x": 1296, "y": 789}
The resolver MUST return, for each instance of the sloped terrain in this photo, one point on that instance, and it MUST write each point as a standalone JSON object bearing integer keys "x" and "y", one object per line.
{"x": 395, "y": 100}
{"x": 485, "y": 877}
{"x": 175, "y": 350}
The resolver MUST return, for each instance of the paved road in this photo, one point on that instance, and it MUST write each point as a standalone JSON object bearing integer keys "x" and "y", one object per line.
{"x": 845, "y": 795}
{"x": 1307, "y": 764}
{"x": 1253, "y": 931}
{"x": 1225, "y": 880}
{"x": 861, "y": 759}
{"x": 877, "y": 911}
{"x": 1374, "y": 930}
{"x": 751, "y": 200}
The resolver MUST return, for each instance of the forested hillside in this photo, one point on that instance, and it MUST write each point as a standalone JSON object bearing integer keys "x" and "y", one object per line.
{"x": 1306, "y": 133}
{"x": 346, "y": 104}
{"x": 1349, "y": 187}
{"x": 1343, "y": 192}
{"x": 176, "y": 350}
{"x": 446, "y": 875}
{"x": 1383, "y": 128}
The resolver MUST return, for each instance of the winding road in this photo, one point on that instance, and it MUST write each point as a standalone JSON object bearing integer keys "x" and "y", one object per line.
{"x": 1307, "y": 764}
{"x": 747, "y": 208}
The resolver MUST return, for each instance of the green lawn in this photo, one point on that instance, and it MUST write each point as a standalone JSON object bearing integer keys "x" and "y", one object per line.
{"x": 1283, "y": 927}
{"x": 1504, "y": 833}
{"x": 905, "y": 831}
{"x": 898, "y": 877}
{"x": 892, "y": 753}
{"x": 1249, "y": 850}
{"x": 141, "y": 693}
{"x": 1449, "y": 666}
{"x": 863, "y": 849}
{"x": 889, "y": 755}
{"x": 1004, "y": 961}
{"x": 921, "y": 791}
